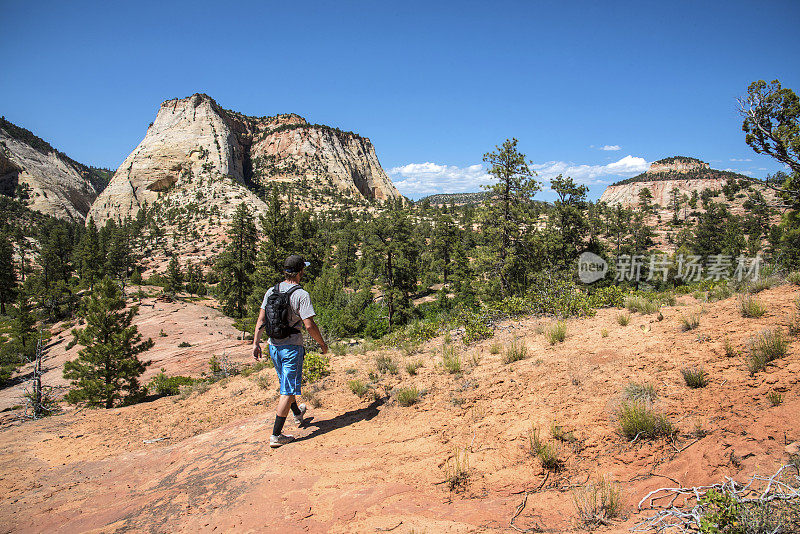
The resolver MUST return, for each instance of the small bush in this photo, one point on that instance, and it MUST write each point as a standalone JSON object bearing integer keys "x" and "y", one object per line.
{"x": 694, "y": 377}
{"x": 794, "y": 324}
{"x": 730, "y": 350}
{"x": 751, "y": 308}
{"x": 494, "y": 348}
{"x": 690, "y": 322}
{"x": 457, "y": 471}
{"x": 641, "y": 304}
{"x": 775, "y": 398}
{"x": 607, "y": 297}
{"x": 557, "y": 333}
{"x": 637, "y": 420}
{"x": 516, "y": 351}
{"x": 413, "y": 367}
{"x": 604, "y": 332}
{"x": 184, "y": 344}
{"x": 315, "y": 366}
{"x": 794, "y": 278}
{"x": 597, "y": 502}
{"x": 641, "y": 392}
{"x": 161, "y": 384}
{"x": 767, "y": 282}
{"x": 358, "y": 387}
{"x": 407, "y": 396}
{"x": 385, "y": 364}
{"x": 624, "y": 319}
{"x": 558, "y": 433}
{"x": 451, "y": 360}
{"x": 765, "y": 347}
{"x": 545, "y": 452}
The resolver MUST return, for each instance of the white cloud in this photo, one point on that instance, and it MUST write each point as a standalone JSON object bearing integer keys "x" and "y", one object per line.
{"x": 591, "y": 174}
{"x": 741, "y": 159}
{"x": 416, "y": 180}
{"x": 610, "y": 147}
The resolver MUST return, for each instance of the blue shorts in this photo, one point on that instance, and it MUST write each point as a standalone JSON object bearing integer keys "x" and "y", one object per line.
{"x": 288, "y": 360}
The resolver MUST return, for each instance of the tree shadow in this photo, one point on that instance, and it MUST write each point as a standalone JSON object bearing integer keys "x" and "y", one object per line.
{"x": 340, "y": 421}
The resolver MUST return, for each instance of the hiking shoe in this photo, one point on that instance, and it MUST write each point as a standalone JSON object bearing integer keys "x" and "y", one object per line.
{"x": 277, "y": 441}
{"x": 299, "y": 418}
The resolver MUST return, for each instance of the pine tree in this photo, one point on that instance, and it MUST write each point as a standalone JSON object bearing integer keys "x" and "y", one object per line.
{"x": 88, "y": 257}
{"x": 507, "y": 212}
{"x": 569, "y": 218}
{"x": 107, "y": 368}
{"x": 443, "y": 240}
{"x": 236, "y": 264}
{"x": 8, "y": 276}
{"x": 174, "y": 276}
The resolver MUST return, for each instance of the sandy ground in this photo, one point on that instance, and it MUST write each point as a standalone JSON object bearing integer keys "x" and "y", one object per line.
{"x": 370, "y": 465}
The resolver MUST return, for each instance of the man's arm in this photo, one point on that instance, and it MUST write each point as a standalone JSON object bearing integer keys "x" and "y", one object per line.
{"x": 257, "y": 336}
{"x": 313, "y": 331}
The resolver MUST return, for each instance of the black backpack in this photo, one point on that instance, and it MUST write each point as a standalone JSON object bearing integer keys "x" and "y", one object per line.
{"x": 277, "y": 313}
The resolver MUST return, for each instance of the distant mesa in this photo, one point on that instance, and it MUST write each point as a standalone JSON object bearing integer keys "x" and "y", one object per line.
{"x": 221, "y": 157}
{"x": 685, "y": 173}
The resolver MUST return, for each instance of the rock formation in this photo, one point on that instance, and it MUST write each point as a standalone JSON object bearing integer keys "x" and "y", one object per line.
{"x": 60, "y": 186}
{"x": 220, "y": 156}
{"x": 686, "y": 174}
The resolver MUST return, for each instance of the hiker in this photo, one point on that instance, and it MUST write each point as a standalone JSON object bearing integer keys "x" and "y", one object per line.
{"x": 285, "y": 306}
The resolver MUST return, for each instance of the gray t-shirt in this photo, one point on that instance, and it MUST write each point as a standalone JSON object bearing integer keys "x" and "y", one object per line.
{"x": 299, "y": 308}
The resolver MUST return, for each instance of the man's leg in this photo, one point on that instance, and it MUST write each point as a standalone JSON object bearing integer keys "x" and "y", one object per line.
{"x": 280, "y": 414}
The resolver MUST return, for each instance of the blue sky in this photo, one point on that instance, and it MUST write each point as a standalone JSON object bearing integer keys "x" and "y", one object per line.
{"x": 591, "y": 89}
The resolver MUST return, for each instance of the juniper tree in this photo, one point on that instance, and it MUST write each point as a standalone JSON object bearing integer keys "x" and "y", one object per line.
{"x": 236, "y": 264}
{"x": 107, "y": 369}
{"x": 506, "y": 213}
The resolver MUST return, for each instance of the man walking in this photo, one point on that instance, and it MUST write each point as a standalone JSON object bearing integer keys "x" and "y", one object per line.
{"x": 285, "y": 306}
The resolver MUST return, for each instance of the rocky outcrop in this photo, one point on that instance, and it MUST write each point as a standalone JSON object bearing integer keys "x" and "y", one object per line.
{"x": 59, "y": 186}
{"x": 688, "y": 175}
{"x": 219, "y": 155}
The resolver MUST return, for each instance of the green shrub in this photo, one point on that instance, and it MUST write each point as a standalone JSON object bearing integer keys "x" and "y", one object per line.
{"x": 794, "y": 278}
{"x": 604, "y": 332}
{"x": 476, "y": 327}
{"x": 358, "y": 387}
{"x": 608, "y": 297}
{"x": 637, "y": 420}
{"x": 766, "y": 347}
{"x": 407, "y": 396}
{"x": 315, "y": 366}
{"x": 451, "y": 360}
{"x": 457, "y": 471}
{"x": 624, "y": 319}
{"x": 775, "y": 398}
{"x": 690, "y": 322}
{"x": 161, "y": 384}
{"x": 794, "y": 324}
{"x": 558, "y": 433}
{"x": 597, "y": 502}
{"x": 641, "y": 304}
{"x": 557, "y": 333}
{"x": 763, "y": 283}
{"x": 750, "y": 307}
{"x": 494, "y": 348}
{"x": 641, "y": 392}
{"x": 184, "y": 344}
{"x": 545, "y": 452}
{"x": 516, "y": 351}
{"x": 386, "y": 364}
{"x": 730, "y": 350}
{"x": 413, "y": 367}
{"x": 694, "y": 377}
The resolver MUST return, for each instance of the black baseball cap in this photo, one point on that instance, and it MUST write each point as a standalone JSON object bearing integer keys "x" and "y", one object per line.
{"x": 295, "y": 264}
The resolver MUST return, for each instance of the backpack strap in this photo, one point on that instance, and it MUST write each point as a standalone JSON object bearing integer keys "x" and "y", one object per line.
{"x": 288, "y": 294}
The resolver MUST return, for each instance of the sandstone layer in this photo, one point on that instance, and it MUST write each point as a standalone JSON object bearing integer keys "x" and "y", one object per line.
{"x": 59, "y": 186}
{"x": 195, "y": 145}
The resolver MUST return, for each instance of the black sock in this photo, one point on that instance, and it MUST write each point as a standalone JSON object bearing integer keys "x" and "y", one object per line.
{"x": 278, "y": 426}
{"x": 295, "y": 408}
